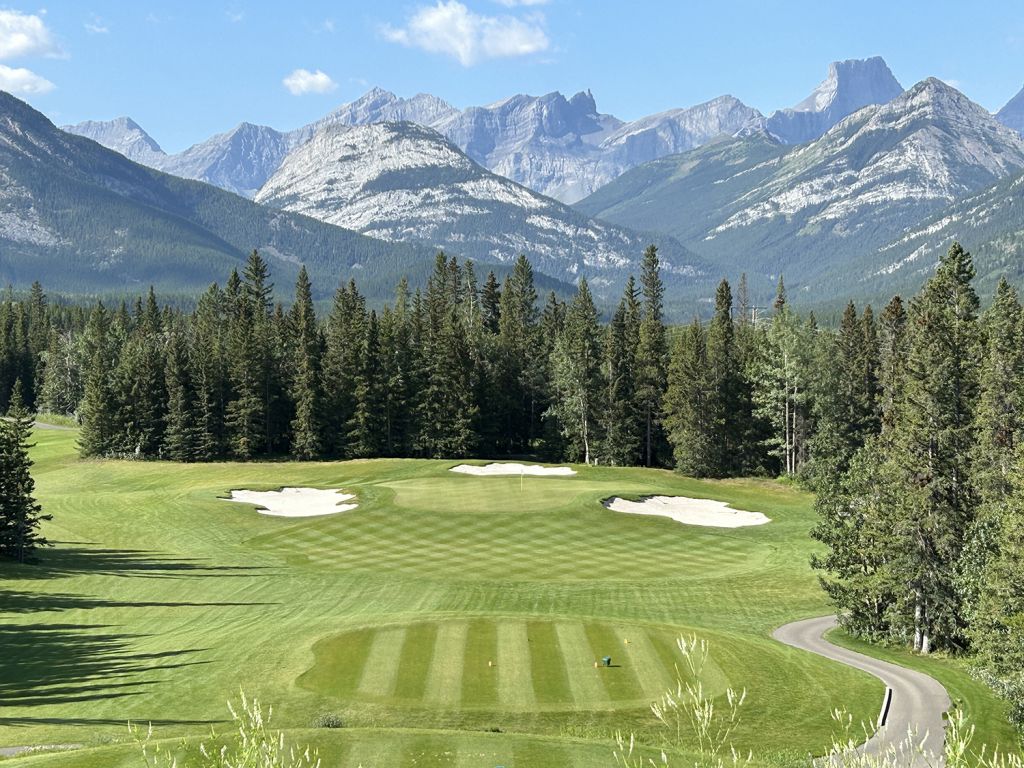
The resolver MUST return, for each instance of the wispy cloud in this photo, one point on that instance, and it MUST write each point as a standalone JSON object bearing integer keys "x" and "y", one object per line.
{"x": 96, "y": 26}
{"x": 302, "y": 81}
{"x": 451, "y": 29}
{"x": 23, "y": 82}
{"x": 24, "y": 34}
{"x": 235, "y": 16}
{"x": 514, "y": 3}
{"x": 327, "y": 25}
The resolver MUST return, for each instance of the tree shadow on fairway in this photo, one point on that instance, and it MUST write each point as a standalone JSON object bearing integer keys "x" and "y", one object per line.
{"x": 15, "y": 602}
{"x": 52, "y": 664}
{"x": 65, "y": 560}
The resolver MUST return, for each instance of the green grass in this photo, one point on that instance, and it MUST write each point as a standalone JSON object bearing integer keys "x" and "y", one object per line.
{"x": 160, "y": 600}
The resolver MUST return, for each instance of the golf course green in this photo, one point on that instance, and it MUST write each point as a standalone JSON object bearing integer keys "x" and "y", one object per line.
{"x": 449, "y": 620}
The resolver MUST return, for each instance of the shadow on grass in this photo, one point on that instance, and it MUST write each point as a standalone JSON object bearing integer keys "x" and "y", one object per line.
{"x": 64, "y": 560}
{"x": 17, "y": 602}
{"x": 52, "y": 664}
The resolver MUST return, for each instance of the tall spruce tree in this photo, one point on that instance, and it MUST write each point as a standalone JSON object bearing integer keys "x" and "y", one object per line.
{"x": 724, "y": 382}
{"x": 369, "y": 427}
{"x": 181, "y": 428}
{"x": 246, "y": 414}
{"x": 688, "y": 413}
{"x": 519, "y": 370}
{"x": 208, "y": 356}
{"x": 20, "y": 514}
{"x": 1000, "y": 415}
{"x": 933, "y": 438}
{"x": 345, "y": 338}
{"x": 576, "y": 377}
{"x": 892, "y": 360}
{"x": 620, "y": 425}
{"x": 652, "y": 357}
{"x": 97, "y": 412}
{"x": 846, "y": 405}
{"x": 306, "y": 390}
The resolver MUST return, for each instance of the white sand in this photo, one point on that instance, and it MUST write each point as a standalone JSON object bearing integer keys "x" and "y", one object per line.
{"x": 296, "y": 502}
{"x": 714, "y": 514}
{"x": 511, "y": 468}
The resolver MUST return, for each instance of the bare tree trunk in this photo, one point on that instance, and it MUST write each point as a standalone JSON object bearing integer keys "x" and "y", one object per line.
{"x": 918, "y": 616}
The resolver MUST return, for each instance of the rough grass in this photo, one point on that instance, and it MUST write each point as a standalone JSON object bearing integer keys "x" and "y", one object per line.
{"x": 159, "y": 601}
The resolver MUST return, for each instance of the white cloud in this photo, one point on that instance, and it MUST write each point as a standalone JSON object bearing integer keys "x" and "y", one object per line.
{"x": 327, "y": 26}
{"x": 235, "y": 16}
{"x": 302, "y": 81}
{"x": 95, "y": 26}
{"x": 23, "y": 34}
{"x": 450, "y": 28}
{"x": 23, "y": 82}
{"x": 514, "y": 3}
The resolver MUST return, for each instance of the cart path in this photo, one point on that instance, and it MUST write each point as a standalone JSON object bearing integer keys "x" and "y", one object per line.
{"x": 917, "y": 703}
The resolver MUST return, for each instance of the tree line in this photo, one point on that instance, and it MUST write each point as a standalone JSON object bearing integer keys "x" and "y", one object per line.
{"x": 906, "y": 424}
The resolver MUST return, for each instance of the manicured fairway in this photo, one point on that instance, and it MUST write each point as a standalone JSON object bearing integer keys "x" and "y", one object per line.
{"x": 160, "y": 600}
{"x": 509, "y": 664}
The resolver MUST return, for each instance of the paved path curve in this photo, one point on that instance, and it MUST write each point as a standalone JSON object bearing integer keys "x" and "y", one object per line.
{"x": 918, "y": 701}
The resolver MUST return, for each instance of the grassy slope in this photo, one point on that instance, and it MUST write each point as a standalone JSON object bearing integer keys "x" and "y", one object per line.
{"x": 159, "y": 601}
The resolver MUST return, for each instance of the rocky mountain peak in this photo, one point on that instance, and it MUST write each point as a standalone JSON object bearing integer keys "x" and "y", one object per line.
{"x": 1012, "y": 114}
{"x": 122, "y": 134}
{"x": 850, "y": 85}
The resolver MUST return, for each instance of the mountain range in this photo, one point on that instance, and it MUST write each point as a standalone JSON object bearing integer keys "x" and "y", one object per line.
{"x": 82, "y": 218}
{"x": 853, "y": 190}
{"x": 561, "y": 147}
{"x": 829, "y": 213}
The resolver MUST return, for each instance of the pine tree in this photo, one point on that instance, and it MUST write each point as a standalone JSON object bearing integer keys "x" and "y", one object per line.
{"x": 490, "y": 299}
{"x": 997, "y": 620}
{"x": 208, "y": 357}
{"x": 892, "y": 360}
{"x": 1000, "y": 417}
{"x": 688, "y": 414}
{"x": 861, "y": 569}
{"x": 62, "y": 387}
{"x": 552, "y": 323}
{"x": 346, "y": 335}
{"x": 846, "y": 404}
{"x": 306, "y": 381}
{"x": 397, "y": 370}
{"x": 652, "y": 358}
{"x": 933, "y": 437}
{"x": 620, "y": 426}
{"x": 447, "y": 409}
{"x": 246, "y": 412}
{"x": 519, "y": 370}
{"x": 576, "y": 370}
{"x": 20, "y": 514}
{"x": 181, "y": 427}
{"x": 369, "y": 428}
{"x": 724, "y": 382}
{"x": 97, "y": 412}
{"x": 782, "y": 383}
{"x": 139, "y": 382}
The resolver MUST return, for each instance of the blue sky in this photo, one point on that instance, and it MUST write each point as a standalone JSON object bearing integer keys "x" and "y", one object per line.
{"x": 186, "y": 70}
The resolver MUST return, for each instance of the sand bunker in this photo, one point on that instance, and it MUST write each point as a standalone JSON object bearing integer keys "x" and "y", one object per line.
{"x": 512, "y": 469}
{"x": 296, "y": 502}
{"x": 714, "y": 514}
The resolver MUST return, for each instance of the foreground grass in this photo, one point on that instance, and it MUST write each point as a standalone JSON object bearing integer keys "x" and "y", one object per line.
{"x": 160, "y": 599}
